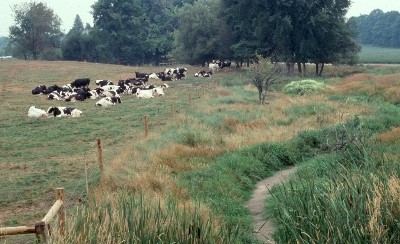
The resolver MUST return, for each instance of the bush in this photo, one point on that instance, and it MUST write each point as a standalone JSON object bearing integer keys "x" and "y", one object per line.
{"x": 303, "y": 87}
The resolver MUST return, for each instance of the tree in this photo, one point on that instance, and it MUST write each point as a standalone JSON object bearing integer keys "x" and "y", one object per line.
{"x": 73, "y": 46}
{"x": 201, "y": 35}
{"x": 36, "y": 30}
{"x": 292, "y": 31}
{"x": 134, "y": 30}
{"x": 263, "y": 75}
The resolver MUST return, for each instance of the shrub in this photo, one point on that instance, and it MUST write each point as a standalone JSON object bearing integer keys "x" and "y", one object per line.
{"x": 303, "y": 87}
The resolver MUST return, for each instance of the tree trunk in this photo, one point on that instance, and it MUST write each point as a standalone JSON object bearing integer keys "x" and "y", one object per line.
{"x": 262, "y": 94}
{"x": 290, "y": 68}
{"x": 322, "y": 68}
{"x": 299, "y": 68}
{"x": 304, "y": 69}
{"x": 316, "y": 69}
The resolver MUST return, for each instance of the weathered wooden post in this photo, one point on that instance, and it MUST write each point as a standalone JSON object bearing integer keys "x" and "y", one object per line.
{"x": 146, "y": 128}
{"x": 61, "y": 213}
{"x": 99, "y": 154}
{"x": 87, "y": 180}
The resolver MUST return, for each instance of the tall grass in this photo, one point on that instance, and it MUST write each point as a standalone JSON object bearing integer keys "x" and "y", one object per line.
{"x": 136, "y": 219}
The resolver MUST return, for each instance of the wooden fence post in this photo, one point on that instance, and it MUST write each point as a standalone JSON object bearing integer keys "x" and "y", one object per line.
{"x": 61, "y": 213}
{"x": 87, "y": 180}
{"x": 99, "y": 154}
{"x": 146, "y": 128}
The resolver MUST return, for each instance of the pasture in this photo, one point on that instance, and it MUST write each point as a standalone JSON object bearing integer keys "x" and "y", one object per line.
{"x": 198, "y": 125}
{"x": 379, "y": 55}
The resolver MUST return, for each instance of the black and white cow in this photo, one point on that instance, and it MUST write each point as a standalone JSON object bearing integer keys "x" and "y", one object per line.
{"x": 141, "y": 75}
{"x": 64, "y": 112}
{"x": 101, "y": 83}
{"x": 108, "y": 101}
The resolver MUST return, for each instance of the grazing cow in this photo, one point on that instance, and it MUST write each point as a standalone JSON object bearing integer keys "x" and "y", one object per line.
{"x": 80, "y": 82}
{"x": 41, "y": 89}
{"x": 101, "y": 83}
{"x": 214, "y": 65}
{"x": 34, "y": 112}
{"x": 225, "y": 64}
{"x": 60, "y": 111}
{"x": 108, "y": 101}
{"x": 140, "y": 93}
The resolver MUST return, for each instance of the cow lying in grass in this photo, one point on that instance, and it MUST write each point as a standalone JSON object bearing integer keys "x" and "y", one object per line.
{"x": 34, "y": 112}
{"x": 108, "y": 101}
{"x": 64, "y": 112}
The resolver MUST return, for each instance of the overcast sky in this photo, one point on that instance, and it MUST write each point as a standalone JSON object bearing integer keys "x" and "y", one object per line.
{"x": 68, "y": 9}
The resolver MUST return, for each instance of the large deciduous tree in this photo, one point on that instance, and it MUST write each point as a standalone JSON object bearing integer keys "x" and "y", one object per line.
{"x": 202, "y": 34}
{"x": 293, "y": 31}
{"x": 36, "y": 30}
{"x": 134, "y": 31}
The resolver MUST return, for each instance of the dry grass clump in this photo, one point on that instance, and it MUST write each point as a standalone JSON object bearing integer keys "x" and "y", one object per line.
{"x": 390, "y": 137}
{"x": 384, "y": 203}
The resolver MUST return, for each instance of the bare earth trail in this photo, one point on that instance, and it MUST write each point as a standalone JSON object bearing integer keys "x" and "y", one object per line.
{"x": 263, "y": 229}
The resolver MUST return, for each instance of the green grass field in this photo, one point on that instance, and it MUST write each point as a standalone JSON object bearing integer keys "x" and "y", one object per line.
{"x": 379, "y": 55}
{"x": 209, "y": 143}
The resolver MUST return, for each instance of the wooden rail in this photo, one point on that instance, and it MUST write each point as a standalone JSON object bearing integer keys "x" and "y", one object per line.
{"x": 42, "y": 229}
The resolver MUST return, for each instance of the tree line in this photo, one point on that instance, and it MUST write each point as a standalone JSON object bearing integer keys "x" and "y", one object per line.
{"x": 378, "y": 28}
{"x": 135, "y": 32}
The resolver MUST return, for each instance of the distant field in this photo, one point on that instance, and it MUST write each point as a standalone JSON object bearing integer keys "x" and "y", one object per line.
{"x": 370, "y": 54}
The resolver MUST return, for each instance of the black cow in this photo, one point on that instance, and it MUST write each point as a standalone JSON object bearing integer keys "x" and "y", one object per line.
{"x": 41, "y": 89}
{"x": 80, "y": 82}
{"x": 140, "y": 75}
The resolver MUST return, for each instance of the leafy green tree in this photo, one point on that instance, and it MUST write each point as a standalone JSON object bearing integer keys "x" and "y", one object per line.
{"x": 73, "y": 44}
{"x": 263, "y": 75}
{"x": 202, "y": 35}
{"x": 134, "y": 31}
{"x": 292, "y": 31}
{"x": 36, "y": 30}
{"x": 378, "y": 28}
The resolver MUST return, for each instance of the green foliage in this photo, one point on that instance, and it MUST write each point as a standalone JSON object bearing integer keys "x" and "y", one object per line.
{"x": 303, "y": 87}
{"x": 378, "y": 28}
{"x": 202, "y": 35}
{"x": 133, "y": 30}
{"x": 36, "y": 29}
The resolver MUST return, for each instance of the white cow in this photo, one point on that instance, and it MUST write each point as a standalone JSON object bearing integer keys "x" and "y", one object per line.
{"x": 76, "y": 113}
{"x": 34, "y": 112}
{"x": 140, "y": 93}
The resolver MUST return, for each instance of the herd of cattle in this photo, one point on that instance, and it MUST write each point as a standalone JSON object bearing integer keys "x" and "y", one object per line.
{"x": 107, "y": 92}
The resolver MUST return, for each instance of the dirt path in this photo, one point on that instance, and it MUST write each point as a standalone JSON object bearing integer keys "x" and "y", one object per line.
{"x": 263, "y": 229}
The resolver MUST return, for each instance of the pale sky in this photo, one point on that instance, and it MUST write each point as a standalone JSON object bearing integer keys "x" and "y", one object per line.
{"x": 68, "y": 9}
